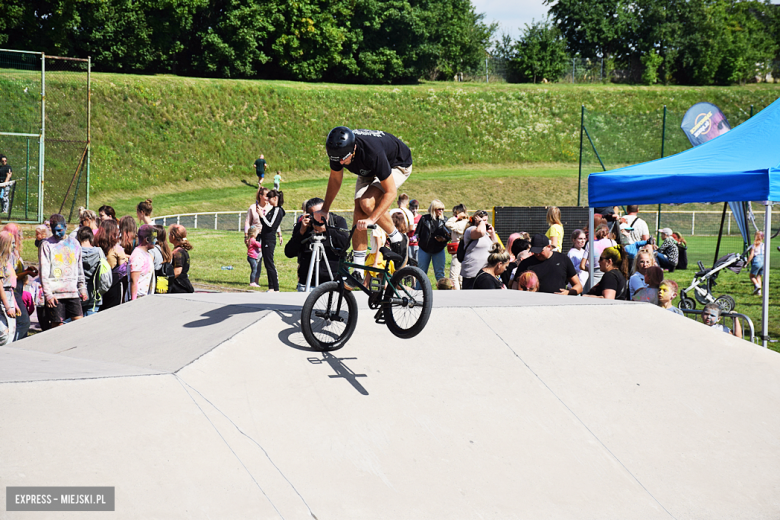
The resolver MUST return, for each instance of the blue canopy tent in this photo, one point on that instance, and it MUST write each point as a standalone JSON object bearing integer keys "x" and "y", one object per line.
{"x": 740, "y": 165}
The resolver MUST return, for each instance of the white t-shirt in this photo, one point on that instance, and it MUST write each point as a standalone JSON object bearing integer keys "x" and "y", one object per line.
{"x": 408, "y": 216}
{"x": 640, "y": 228}
{"x": 576, "y": 256}
{"x": 141, "y": 261}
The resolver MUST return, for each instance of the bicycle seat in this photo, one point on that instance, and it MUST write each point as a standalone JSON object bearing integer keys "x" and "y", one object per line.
{"x": 389, "y": 255}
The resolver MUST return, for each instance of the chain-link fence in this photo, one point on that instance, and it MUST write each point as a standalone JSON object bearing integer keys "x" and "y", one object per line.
{"x": 491, "y": 70}
{"x": 583, "y": 70}
{"x": 45, "y": 132}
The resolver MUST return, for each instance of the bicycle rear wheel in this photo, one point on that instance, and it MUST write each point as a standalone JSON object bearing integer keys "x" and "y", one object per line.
{"x": 328, "y": 319}
{"x": 407, "y": 313}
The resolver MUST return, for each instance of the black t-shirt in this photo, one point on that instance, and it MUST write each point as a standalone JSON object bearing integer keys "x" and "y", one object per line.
{"x": 611, "y": 280}
{"x": 300, "y": 246}
{"x": 485, "y": 280}
{"x": 377, "y": 153}
{"x": 260, "y": 166}
{"x": 4, "y": 170}
{"x": 553, "y": 273}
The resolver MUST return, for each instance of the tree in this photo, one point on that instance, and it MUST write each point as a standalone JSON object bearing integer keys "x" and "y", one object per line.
{"x": 539, "y": 53}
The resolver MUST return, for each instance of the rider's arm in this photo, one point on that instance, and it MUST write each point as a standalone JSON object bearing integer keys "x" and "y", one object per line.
{"x": 387, "y": 199}
{"x": 334, "y": 185}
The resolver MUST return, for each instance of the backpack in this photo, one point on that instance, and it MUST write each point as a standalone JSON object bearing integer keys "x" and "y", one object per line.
{"x": 461, "y": 254}
{"x": 103, "y": 278}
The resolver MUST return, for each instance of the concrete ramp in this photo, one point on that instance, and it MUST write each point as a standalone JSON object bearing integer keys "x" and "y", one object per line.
{"x": 508, "y": 405}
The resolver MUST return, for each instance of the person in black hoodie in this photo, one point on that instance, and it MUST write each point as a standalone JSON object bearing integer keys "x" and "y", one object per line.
{"x": 271, "y": 222}
{"x": 300, "y": 242}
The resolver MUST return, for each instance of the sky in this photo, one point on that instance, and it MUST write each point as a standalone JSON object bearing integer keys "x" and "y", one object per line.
{"x": 511, "y": 15}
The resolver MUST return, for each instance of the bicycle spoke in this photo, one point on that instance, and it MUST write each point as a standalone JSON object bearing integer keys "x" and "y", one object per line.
{"x": 328, "y": 327}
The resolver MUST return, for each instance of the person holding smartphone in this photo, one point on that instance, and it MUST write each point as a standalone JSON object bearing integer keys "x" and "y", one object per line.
{"x": 478, "y": 238}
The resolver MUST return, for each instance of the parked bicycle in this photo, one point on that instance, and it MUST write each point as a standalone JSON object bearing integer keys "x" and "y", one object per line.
{"x": 402, "y": 300}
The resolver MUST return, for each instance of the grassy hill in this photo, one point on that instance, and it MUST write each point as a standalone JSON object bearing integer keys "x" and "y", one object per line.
{"x": 149, "y": 131}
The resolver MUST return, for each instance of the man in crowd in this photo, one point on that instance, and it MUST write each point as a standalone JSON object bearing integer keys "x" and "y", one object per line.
{"x": 260, "y": 165}
{"x": 640, "y": 230}
{"x": 5, "y": 175}
{"x": 382, "y": 163}
{"x": 553, "y": 269}
{"x": 300, "y": 243}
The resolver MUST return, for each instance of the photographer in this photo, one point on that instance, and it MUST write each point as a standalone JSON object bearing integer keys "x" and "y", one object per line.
{"x": 478, "y": 239}
{"x": 300, "y": 243}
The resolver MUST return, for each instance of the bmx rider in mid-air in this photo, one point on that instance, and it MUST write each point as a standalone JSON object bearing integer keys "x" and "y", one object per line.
{"x": 382, "y": 163}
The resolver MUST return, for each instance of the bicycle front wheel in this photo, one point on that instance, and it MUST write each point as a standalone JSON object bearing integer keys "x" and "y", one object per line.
{"x": 329, "y": 317}
{"x": 407, "y": 312}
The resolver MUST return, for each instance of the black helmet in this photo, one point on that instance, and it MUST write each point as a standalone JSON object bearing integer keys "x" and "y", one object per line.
{"x": 340, "y": 143}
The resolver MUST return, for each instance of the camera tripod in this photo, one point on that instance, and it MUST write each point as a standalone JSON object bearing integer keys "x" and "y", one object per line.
{"x": 317, "y": 255}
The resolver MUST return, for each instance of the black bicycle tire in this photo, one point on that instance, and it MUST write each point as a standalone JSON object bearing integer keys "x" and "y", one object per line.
{"x": 427, "y": 303}
{"x": 308, "y": 308}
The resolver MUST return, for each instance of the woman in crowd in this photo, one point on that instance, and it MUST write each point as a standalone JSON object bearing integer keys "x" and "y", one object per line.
{"x": 555, "y": 231}
{"x": 108, "y": 241}
{"x": 457, "y": 225}
{"x": 271, "y": 222}
{"x": 8, "y": 312}
{"x": 257, "y": 210}
{"x": 90, "y": 260}
{"x": 433, "y": 235}
{"x": 489, "y": 276}
{"x": 62, "y": 274}
{"x": 87, "y": 218}
{"x": 22, "y": 274}
{"x": 163, "y": 269}
{"x": 107, "y": 213}
{"x": 577, "y": 253}
{"x": 180, "y": 283}
{"x": 478, "y": 240}
{"x": 144, "y": 212}
{"x": 414, "y": 245}
{"x": 142, "y": 265}
{"x": 128, "y": 234}
{"x": 603, "y": 240}
{"x": 643, "y": 261}
{"x": 654, "y": 277}
{"x": 613, "y": 262}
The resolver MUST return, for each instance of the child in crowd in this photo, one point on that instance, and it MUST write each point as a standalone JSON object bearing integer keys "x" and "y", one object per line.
{"x": 555, "y": 232}
{"x": 667, "y": 292}
{"x": 277, "y": 180}
{"x": 756, "y": 256}
{"x": 527, "y": 281}
{"x": 62, "y": 274}
{"x": 144, "y": 212}
{"x": 253, "y": 254}
{"x": 142, "y": 265}
{"x": 41, "y": 233}
{"x": 445, "y": 284}
{"x": 654, "y": 276}
{"x": 9, "y": 312}
{"x": 710, "y": 316}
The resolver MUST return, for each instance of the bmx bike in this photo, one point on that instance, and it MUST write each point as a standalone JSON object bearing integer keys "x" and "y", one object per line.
{"x": 402, "y": 300}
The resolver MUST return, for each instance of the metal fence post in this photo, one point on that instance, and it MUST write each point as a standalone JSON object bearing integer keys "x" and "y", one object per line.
{"x": 693, "y": 223}
{"x": 195, "y": 225}
{"x": 215, "y": 221}
{"x": 579, "y": 179}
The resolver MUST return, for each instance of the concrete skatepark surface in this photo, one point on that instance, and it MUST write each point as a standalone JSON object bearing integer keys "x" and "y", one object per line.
{"x": 507, "y": 405}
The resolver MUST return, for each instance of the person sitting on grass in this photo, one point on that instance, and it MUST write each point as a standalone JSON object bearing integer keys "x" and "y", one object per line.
{"x": 710, "y": 316}
{"x": 613, "y": 262}
{"x": 667, "y": 292}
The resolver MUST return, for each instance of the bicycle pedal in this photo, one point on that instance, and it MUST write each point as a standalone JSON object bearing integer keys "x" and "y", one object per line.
{"x": 379, "y": 317}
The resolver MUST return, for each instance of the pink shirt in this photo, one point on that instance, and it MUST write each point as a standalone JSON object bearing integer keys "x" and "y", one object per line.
{"x": 253, "y": 248}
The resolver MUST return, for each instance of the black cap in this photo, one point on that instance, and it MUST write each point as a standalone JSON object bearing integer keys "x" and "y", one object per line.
{"x": 538, "y": 243}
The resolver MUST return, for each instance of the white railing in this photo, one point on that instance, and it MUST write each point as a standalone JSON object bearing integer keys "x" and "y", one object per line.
{"x": 702, "y": 223}
{"x": 231, "y": 220}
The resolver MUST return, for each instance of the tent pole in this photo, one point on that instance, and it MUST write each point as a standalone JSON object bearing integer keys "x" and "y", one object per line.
{"x": 591, "y": 266}
{"x": 663, "y": 143}
{"x": 720, "y": 233}
{"x": 767, "y": 256}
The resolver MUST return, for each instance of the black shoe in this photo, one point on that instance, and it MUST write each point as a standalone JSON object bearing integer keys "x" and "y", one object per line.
{"x": 357, "y": 276}
{"x": 401, "y": 249}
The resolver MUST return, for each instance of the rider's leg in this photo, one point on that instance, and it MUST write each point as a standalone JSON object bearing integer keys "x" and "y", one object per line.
{"x": 359, "y": 239}
{"x": 367, "y": 203}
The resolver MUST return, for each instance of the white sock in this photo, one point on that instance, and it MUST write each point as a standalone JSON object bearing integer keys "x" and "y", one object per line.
{"x": 395, "y": 237}
{"x": 359, "y": 257}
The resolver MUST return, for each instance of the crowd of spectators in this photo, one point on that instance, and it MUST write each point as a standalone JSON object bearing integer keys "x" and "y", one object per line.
{"x": 102, "y": 263}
